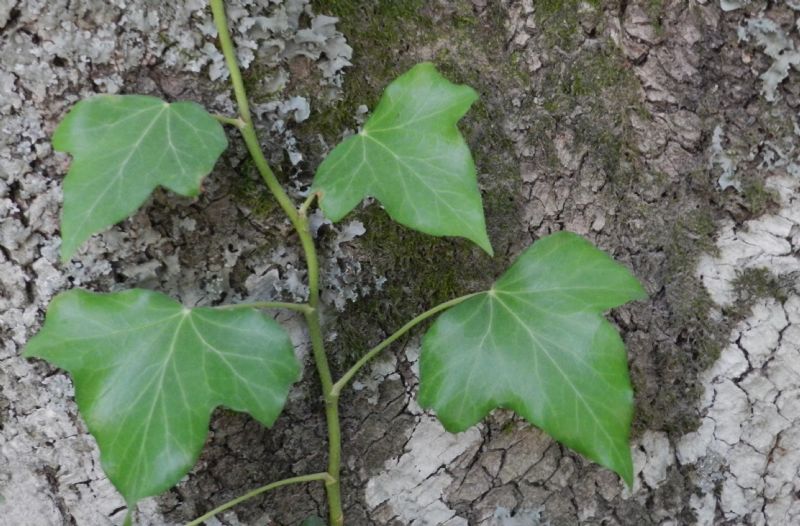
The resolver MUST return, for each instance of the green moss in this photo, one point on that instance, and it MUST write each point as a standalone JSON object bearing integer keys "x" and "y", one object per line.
{"x": 253, "y": 78}
{"x": 554, "y": 7}
{"x": 560, "y": 21}
{"x": 595, "y": 72}
{"x": 757, "y": 198}
{"x": 248, "y": 189}
{"x": 700, "y": 339}
{"x": 509, "y": 427}
{"x": 655, "y": 11}
{"x": 599, "y": 83}
{"x": 752, "y": 284}
{"x": 358, "y": 16}
{"x": 689, "y": 237}
{"x": 698, "y": 343}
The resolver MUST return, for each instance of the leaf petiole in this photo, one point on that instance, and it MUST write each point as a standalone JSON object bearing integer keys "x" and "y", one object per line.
{"x": 303, "y": 210}
{"x": 258, "y": 491}
{"x": 342, "y": 382}
{"x": 231, "y": 121}
{"x": 299, "y": 307}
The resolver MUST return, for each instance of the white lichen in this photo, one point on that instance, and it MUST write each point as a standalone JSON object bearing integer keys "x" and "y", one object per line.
{"x": 721, "y": 159}
{"x": 732, "y": 5}
{"x": 777, "y": 45}
{"x": 272, "y": 33}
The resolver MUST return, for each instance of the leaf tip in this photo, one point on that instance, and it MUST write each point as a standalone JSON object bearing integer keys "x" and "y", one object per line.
{"x": 129, "y": 514}
{"x": 481, "y": 238}
{"x": 61, "y": 134}
{"x": 626, "y": 471}
{"x": 634, "y": 289}
{"x": 469, "y": 94}
{"x": 68, "y": 247}
{"x": 65, "y": 257}
{"x": 425, "y": 68}
{"x": 472, "y": 94}
{"x": 639, "y": 292}
{"x": 58, "y": 141}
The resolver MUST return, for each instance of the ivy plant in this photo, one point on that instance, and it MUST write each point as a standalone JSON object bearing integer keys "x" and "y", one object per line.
{"x": 148, "y": 371}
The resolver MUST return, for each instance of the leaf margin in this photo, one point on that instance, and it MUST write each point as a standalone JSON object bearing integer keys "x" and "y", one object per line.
{"x": 463, "y": 97}
{"x": 64, "y": 301}
{"x": 427, "y": 395}
{"x": 66, "y": 140}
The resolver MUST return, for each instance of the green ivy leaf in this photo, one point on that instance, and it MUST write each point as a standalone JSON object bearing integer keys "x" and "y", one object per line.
{"x": 123, "y": 147}
{"x": 412, "y": 158}
{"x": 148, "y": 372}
{"x": 537, "y": 343}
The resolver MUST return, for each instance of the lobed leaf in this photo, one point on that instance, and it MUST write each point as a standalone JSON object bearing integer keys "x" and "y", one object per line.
{"x": 412, "y": 158}
{"x": 537, "y": 343}
{"x": 123, "y": 147}
{"x": 148, "y": 372}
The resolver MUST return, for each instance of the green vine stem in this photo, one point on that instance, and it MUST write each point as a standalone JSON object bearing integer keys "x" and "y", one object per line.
{"x": 300, "y": 223}
{"x": 247, "y": 129}
{"x": 256, "y": 492}
{"x": 299, "y": 220}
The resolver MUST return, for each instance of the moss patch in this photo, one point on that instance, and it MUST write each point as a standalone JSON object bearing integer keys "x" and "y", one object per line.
{"x": 753, "y": 284}
{"x": 699, "y": 340}
{"x": 593, "y": 93}
{"x": 560, "y": 20}
{"x": 656, "y": 10}
{"x": 758, "y": 199}
{"x": 757, "y": 283}
{"x": 249, "y": 190}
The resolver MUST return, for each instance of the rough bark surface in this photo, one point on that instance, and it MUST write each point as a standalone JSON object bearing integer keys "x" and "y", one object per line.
{"x": 665, "y": 131}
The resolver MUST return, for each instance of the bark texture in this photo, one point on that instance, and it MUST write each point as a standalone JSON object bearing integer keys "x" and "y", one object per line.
{"x": 665, "y": 131}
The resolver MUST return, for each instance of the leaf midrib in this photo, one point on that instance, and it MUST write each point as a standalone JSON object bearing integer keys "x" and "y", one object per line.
{"x": 140, "y": 467}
